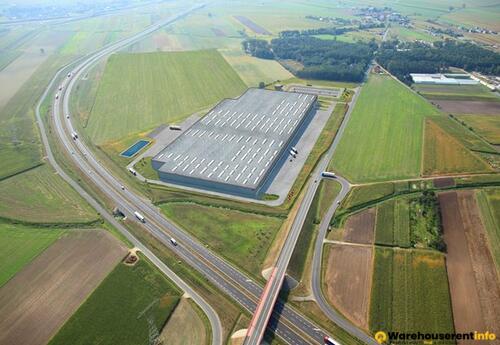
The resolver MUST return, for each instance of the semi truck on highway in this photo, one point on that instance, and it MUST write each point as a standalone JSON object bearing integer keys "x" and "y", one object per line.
{"x": 330, "y": 341}
{"x": 328, "y": 174}
{"x": 74, "y": 135}
{"x": 140, "y": 217}
{"x": 175, "y": 128}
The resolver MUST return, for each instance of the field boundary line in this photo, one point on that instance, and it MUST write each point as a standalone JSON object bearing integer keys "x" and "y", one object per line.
{"x": 39, "y": 164}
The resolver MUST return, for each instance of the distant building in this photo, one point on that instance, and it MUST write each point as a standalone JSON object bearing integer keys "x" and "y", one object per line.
{"x": 443, "y": 79}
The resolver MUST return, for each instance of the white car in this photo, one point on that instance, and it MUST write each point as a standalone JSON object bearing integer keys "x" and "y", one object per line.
{"x": 173, "y": 241}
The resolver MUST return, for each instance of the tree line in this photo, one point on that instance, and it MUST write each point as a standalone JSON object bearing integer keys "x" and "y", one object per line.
{"x": 321, "y": 59}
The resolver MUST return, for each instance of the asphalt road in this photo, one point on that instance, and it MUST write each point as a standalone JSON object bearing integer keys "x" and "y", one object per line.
{"x": 318, "y": 248}
{"x": 273, "y": 287}
{"x": 285, "y": 321}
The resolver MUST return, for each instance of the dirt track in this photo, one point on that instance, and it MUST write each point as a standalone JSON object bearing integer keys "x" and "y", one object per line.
{"x": 469, "y": 107}
{"x": 41, "y": 297}
{"x": 348, "y": 280}
{"x": 474, "y": 285}
{"x": 359, "y": 227}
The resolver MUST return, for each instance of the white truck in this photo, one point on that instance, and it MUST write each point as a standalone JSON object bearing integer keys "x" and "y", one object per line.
{"x": 74, "y": 135}
{"x": 132, "y": 171}
{"x": 140, "y": 217}
{"x": 328, "y": 174}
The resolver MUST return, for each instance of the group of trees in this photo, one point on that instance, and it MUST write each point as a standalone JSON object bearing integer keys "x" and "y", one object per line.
{"x": 403, "y": 59}
{"x": 321, "y": 59}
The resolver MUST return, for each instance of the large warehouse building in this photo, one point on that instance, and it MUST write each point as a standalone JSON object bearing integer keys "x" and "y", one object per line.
{"x": 239, "y": 145}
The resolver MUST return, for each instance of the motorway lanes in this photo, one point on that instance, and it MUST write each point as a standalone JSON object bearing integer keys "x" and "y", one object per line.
{"x": 214, "y": 268}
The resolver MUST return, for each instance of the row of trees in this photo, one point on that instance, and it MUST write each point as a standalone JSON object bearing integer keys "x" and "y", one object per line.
{"x": 403, "y": 59}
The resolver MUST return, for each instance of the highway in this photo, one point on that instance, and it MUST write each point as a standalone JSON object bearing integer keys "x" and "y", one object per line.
{"x": 268, "y": 299}
{"x": 215, "y": 324}
{"x": 289, "y": 325}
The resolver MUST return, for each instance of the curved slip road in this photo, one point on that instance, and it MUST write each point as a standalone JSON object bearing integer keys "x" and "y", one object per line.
{"x": 287, "y": 323}
{"x": 268, "y": 299}
{"x": 332, "y": 314}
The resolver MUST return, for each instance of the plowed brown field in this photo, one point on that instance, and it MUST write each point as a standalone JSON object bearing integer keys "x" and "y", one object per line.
{"x": 359, "y": 227}
{"x": 348, "y": 281}
{"x": 474, "y": 285}
{"x": 40, "y": 298}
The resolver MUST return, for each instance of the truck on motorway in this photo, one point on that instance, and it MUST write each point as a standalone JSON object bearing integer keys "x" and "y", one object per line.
{"x": 295, "y": 150}
{"x": 328, "y": 174}
{"x": 74, "y": 135}
{"x": 293, "y": 154}
{"x": 174, "y": 128}
{"x": 330, "y": 341}
{"x": 140, "y": 217}
{"x": 132, "y": 171}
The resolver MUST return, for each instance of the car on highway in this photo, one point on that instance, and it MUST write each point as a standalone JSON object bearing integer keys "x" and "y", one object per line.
{"x": 173, "y": 241}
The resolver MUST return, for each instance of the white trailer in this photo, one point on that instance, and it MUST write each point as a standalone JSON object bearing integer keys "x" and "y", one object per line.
{"x": 328, "y": 174}
{"x": 140, "y": 217}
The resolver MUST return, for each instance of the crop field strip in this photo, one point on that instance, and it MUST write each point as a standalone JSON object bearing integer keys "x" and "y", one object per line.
{"x": 489, "y": 202}
{"x": 44, "y": 294}
{"x": 149, "y": 296}
{"x": 21, "y": 244}
{"x": 161, "y": 87}
{"x": 383, "y": 140}
{"x": 487, "y": 126}
{"x": 475, "y": 300}
{"x": 41, "y": 196}
{"x": 401, "y": 299}
{"x": 444, "y": 154}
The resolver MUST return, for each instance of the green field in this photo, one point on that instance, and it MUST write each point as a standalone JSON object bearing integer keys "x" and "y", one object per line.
{"x": 456, "y": 92}
{"x": 21, "y": 245}
{"x": 383, "y": 139}
{"x": 410, "y": 292}
{"x": 393, "y": 223}
{"x": 117, "y": 312}
{"x": 487, "y": 126}
{"x": 406, "y": 34}
{"x": 489, "y": 203}
{"x": 41, "y": 196}
{"x": 243, "y": 238}
{"x": 138, "y": 92}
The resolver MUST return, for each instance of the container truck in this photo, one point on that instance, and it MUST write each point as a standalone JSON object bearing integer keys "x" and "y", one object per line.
{"x": 328, "y": 174}
{"x": 140, "y": 217}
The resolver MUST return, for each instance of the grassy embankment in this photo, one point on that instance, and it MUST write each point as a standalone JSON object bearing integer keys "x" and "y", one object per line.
{"x": 323, "y": 199}
{"x": 148, "y": 295}
{"x": 383, "y": 139}
{"x": 243, "y": 238}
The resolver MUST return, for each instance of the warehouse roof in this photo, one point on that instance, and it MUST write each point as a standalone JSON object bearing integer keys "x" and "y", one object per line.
{"x": 238, "y": 140}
